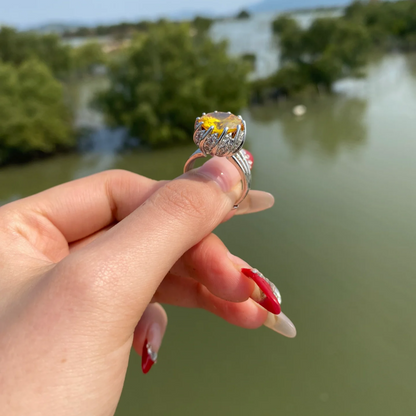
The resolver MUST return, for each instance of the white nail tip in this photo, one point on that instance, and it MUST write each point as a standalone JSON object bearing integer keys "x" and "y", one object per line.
{"x": 281, "y": 324}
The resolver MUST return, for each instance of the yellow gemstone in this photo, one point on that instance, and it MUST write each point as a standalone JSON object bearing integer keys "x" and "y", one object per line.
{"x": 220, "y": 121}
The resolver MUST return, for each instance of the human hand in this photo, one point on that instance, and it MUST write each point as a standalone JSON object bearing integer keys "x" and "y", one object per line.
{"x": 82, "y": 265}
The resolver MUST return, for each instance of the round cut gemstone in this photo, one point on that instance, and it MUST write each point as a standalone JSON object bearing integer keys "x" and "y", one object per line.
{"x": 221, "y": 120}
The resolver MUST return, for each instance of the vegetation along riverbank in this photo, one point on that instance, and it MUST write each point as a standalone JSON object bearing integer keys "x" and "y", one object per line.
{"x": 161, "y": 74}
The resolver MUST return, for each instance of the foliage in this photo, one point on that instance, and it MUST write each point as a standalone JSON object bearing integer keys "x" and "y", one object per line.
{"x": 391, "y": 24}
{"x": 33, "y": 116}
{"x": 250, "y": 58}
{"x": 86, "y": 56}
{"x": 17, "y": 47}
{"x": 333, "y": 48}
{"x": 244, "y": 14}
{"x": 118, "y": 31}
{"x": 202, "y": 25}
{"x": 328, "y": 50}
{"x": 284, "y": 24}
{"x": 167, "y": 79}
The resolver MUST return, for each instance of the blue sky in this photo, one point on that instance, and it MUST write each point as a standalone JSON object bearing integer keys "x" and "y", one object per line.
{"x": 23, "y": 13}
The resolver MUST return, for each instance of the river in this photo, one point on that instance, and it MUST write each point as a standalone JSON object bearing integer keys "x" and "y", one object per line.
{"x": 340, "y": 245}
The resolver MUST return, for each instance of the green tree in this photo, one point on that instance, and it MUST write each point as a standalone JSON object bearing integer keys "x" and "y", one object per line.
{"x": 328, "y": 50}
{"x": 244, "y": 14}
{"x": 290, "y": 36}
{"x": 167, "y": 79}
{"x": 17, "y": 47}
{"x": 34, "y": 118}
{"x": 392, "y": 25}
{"x": 86, "y": 56}
{"x": 284, "y": 24}
{"x": 202, "y": 25}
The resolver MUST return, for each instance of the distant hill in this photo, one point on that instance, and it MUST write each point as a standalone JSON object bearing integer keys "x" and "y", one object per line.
{"x": 281, "y": 5}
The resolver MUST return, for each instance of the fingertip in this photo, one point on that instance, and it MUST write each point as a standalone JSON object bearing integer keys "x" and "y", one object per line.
{"x": 256, "y": 201}
{"x": 150, "y": 329}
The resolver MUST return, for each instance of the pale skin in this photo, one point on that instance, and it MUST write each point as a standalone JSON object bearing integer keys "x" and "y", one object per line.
{"x": 84, "y": 268}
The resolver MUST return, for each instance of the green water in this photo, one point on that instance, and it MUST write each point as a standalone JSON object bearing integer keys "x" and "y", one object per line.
{"x": 340, "y": 244}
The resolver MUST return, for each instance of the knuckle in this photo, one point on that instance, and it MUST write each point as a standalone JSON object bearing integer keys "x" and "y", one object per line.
{"x": 119, "y": 174}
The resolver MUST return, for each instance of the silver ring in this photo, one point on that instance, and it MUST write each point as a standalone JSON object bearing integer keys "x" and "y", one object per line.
{"x": 222, "y": 134}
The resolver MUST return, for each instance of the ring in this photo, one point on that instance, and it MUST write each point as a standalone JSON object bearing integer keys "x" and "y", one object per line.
{"x": 222, "y": 134}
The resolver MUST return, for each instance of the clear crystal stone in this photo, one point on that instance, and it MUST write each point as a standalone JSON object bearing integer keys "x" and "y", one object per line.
{"x": 225, "y": 145}
{"x": 198, "y": 136}
{"x": 210, "y": 142}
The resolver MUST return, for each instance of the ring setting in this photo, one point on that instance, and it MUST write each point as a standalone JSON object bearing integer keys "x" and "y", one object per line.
{"x": 219, "y": 134}
{"x": 223, "y": 135}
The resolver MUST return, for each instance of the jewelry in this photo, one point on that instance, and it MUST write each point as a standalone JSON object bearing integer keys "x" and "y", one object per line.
{"x": 222, "y": 134}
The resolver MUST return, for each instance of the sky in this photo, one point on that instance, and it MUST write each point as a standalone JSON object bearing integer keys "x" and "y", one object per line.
{"x": 26, "y": 13}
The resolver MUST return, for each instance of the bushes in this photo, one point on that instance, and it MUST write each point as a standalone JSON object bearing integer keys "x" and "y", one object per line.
{"x": 328, "y": 50}
{"x": 34, "y": 118}
{"x": 18, "y": 47}
{"x": 169, "y": 78}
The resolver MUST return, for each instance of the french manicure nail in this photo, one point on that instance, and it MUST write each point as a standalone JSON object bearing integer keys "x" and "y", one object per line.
{"x": 256, "y": 201}
{"x": 149, "y": 357}
{"x": 281, "y": 324}
{"x": 269, "y": 296}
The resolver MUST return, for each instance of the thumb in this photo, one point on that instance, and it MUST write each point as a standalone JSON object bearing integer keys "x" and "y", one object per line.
{"x": 126, "y": 265}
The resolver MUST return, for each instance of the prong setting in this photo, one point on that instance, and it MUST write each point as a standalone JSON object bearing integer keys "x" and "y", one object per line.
{"x": 219, "y": 134}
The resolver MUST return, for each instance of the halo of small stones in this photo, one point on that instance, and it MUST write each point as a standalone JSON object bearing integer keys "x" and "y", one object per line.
{"x": 275, "y": 290}
{"x": 209, "y": 145}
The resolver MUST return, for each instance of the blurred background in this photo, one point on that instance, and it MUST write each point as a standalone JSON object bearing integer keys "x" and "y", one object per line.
{"x": 328, "y": 90}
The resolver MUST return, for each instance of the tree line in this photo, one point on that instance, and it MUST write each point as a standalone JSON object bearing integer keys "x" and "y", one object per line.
{"x": 172, "y": 71}
{"x": 334, "y": 48}
{"x": 125, "y": 30}
{"x": 34, "y": 111}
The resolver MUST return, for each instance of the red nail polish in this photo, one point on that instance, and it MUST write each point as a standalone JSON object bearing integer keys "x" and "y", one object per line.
{"x": 271, "y": 294}
{"x": 249, "y": 158}
{"x": 149, "y": 357}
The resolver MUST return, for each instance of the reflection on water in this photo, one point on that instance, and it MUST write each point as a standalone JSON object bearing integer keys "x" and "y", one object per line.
{"x": 340, "y": 244}
{"x": 331, "y": 125}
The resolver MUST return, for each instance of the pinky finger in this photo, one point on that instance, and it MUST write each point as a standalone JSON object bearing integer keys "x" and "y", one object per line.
{"x": 149, "y": 333}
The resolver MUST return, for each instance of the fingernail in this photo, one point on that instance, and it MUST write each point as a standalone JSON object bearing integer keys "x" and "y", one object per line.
{"x": 149, "y": 357}
{"x": 280, "y": 324}
{"x": 257, "y": 295}
{"x": 269, "y": 296}
{"x": 151, "y": 347}
{"x": 221, "y": 171}
{"x": 249, "y": 157}
{"x": 256, "y": 201}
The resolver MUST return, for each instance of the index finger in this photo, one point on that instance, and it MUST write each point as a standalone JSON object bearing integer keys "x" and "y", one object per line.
{"x": 82, "y": 207}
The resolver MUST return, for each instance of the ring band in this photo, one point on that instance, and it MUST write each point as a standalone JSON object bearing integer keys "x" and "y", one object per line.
{"x": 223, "y": 135}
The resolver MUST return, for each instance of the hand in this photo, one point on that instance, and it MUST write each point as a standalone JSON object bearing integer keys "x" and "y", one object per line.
{"x": 82, "y": 265}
